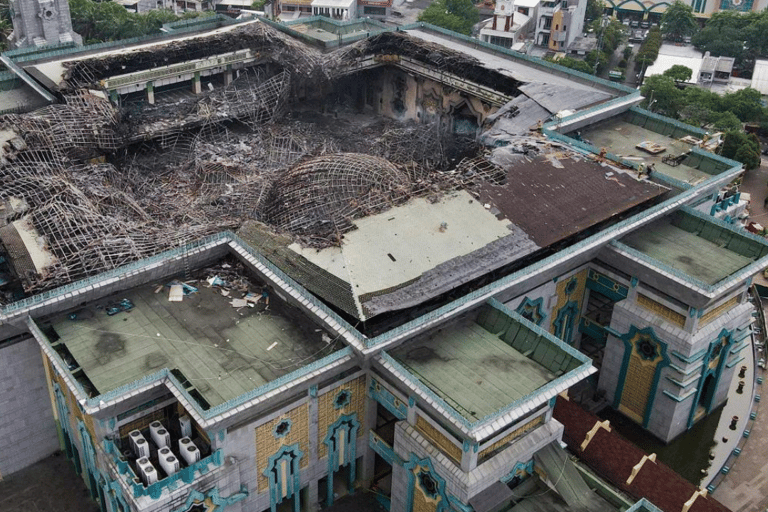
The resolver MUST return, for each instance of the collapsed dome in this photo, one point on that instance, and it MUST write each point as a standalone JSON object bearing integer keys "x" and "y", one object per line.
{"x": 321, "y": 196}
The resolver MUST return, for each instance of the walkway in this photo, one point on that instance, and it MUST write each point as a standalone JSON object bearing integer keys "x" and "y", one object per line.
{"x": 50, "y": 485}
{"x": 745, "y": 488}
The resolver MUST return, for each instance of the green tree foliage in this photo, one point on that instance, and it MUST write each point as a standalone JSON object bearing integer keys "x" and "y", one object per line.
{"x": 745, "y": 104}
{"x": 649, "y": 50}
{"x": 725, "y": 121}
{"x": 678, "y": 21}
{"x": 679, "y": 73}
{"x": 569, "y": 62}
{"x": 661, "y": 90}
{"x": 594, "y": 10}
{"x": 742, "y": 148}
{"x": 735, "y": 34}
{"x": 748, "y": 156}
{"x": 109, "y": 21}
{"x": 457, "y": 15}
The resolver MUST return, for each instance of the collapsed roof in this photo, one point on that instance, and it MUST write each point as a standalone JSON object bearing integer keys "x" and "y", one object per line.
{"x": 92, "y": 186}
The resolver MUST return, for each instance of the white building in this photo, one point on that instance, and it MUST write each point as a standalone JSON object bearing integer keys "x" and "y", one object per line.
{"x": 559, "y": 22}
{"x": 507, "y": 26}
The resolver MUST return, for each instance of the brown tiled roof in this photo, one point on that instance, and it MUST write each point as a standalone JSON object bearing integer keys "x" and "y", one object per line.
{"x": 613, "y": 457}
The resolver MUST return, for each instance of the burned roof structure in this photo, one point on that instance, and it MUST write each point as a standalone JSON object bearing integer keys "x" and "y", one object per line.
{"x": 331, "y": 178}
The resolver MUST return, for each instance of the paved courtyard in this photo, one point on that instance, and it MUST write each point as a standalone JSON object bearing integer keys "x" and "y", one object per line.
{"x": 50, "y": 485}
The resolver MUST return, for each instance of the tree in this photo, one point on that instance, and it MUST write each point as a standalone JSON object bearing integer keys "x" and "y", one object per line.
{"x": 748, "y": 156}
{"x": 679, "y": 73}
{"x": 594, "y": 10}
{"x": 109, "y": 21}
{"x": 734, "y": 142}
{"x": 726, "y": 121}
{"x": 569, "y": 62}
{"x": 745, "y": 104}
{"x": 678, "y": 21}
{"x": 661, "y": 90}
{"x": 457, "y": 15}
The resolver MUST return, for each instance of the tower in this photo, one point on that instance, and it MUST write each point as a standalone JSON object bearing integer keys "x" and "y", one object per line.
{"x": 41, "y": 23}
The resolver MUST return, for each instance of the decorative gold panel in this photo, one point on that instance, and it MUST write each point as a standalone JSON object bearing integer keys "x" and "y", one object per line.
{"x": 564, "y": 298}
{"x": 663, "y": 311}
{"x": 267, "y": 445}
{"x": 438, "y": 439}
{"x": 719, "y": 310}
{"x": 518, "y": 432}
{"x": 328, "y": 413}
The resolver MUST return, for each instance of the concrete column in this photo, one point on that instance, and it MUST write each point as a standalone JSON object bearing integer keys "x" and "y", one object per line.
{"x": 228, "y": 75}
{"x": 369, "y": 424}
{"x": 196, "y": 87}
{"x": 469, "y": 456}
{"x": 151, "y": 93}
{"x": 691, "y": 320}
{"x": 411, "y": 411}
{"x": 313, "y": 447}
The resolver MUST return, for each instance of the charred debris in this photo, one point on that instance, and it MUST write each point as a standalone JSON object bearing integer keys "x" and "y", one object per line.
{"x": 100, "y": 186}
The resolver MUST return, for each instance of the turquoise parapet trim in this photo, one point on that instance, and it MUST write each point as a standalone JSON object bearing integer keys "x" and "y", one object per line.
{"x": 690, "y": 130}
{"x": 734, "y": 362}
{"x": 414, "y": 382}
{"x": 390, "y": 402}
{"x": 385, "y": 451}
{"x": 661, "y": 266}
{"x": 644, "y": 506}
{"x": 219, "y": 503}
{"x": 68, "y": 50}
{"x": 669, "y": 180}
{"x": 286, "y": 27}
{"x": 274, "y": 384}
{"x": 748, "y": 270}
{"x": 522, "y": 57}
{"x": 119, "y": 272}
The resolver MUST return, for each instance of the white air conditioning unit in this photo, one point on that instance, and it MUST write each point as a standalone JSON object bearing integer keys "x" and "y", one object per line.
{"x": 146, "y": 471}
{"x": 160, "y": 436}
{"x": 188, "y": 451}
{"x": 139, "y": 445}
{"x": 168, "y": 461}
{"x": 185, "y": 425}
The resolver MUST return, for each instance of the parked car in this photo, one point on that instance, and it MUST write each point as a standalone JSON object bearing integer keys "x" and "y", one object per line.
{"x": 634, "y": 24}
{"x": 645, "y": 24}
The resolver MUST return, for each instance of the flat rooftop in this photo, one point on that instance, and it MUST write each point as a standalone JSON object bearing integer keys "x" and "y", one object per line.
{"x": 621, "y": 137}
{"x": 222, "y": 351}
{"x": 699, "y": 248}
{"x": 552, "y": 196}
{"x": 483, "y": 362}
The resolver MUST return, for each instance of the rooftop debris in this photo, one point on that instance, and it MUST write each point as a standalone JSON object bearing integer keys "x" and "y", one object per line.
{"x": 104, "y": 186}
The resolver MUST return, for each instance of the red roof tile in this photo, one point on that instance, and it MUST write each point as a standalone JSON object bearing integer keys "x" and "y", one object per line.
{"x": 613, "y": 457}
